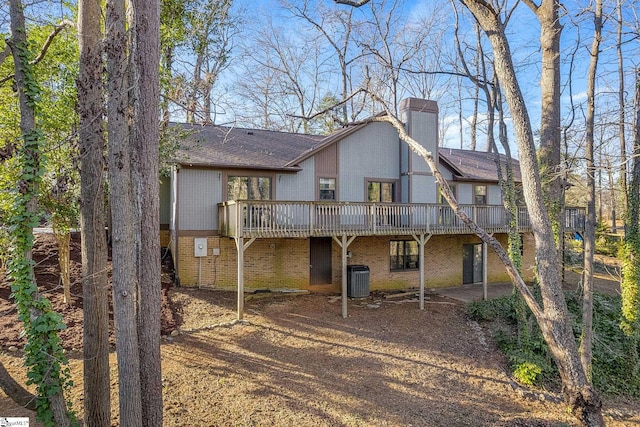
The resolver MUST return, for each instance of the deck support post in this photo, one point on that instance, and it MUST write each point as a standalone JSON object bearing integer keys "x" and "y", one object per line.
{"x": 485, "y": 295}
{"x": 241, "y": 247}
{"x": 344, "y": 243}
{"x": 422, "y": 240}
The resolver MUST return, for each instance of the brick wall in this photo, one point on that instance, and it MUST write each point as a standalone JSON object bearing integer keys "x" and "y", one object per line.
{"x": 284, "y": 263}
{"x": 268, "y": 264}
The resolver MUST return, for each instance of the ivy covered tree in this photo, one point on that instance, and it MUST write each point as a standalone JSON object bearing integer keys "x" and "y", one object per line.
{"x": 44, "y": 358}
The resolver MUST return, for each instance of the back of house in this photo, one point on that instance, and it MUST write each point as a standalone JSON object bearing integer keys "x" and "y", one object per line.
{"x": 275, "y": 210}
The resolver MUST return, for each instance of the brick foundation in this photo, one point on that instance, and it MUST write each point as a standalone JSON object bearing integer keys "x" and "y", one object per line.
{"x": 284, "y": 263}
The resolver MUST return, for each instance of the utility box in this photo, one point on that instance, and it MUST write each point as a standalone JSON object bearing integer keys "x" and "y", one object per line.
{"x": 200, "y": 247}
{"x": 357, "y": 281}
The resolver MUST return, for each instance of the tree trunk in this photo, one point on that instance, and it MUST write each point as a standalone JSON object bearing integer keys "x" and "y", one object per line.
{"x": 621, "y": 105}
{"x": 630, "y": 285}
{"x": 63, "y": 238}
{"x": 554, "y": 321}
{"x": 43, "y": 340}
{"x": 192, "y": 98}
{"x": 612, "y": 194}
{"x": 125, "y": 292}
{"x": 549, "y": 154}
{"x": 590, "y": 226}
{"x": 95, "y": 284}
{"x": 146, "y": 176}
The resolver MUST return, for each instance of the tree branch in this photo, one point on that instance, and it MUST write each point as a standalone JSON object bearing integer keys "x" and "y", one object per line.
{"x": 534, "y": 7}
{"x": 56, "y": 30}
{"x": 331, "y": 107}
{"x": 45, "y": 47}
{"x": 4, "y": 54}
{"x": 15, "y": 391}
{"x": 448, "y": 73}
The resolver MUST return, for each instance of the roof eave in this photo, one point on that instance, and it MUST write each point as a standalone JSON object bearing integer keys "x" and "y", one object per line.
{"x": 293, "y": 168}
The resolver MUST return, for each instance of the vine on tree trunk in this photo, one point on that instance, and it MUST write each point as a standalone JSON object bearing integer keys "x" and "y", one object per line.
{"x": 43, "y": 354}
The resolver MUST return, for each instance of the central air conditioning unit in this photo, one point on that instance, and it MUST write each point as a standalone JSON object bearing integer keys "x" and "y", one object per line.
{"x": 357, "y": 281}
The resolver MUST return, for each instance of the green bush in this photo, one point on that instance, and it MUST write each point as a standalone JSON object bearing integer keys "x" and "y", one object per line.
{"x": 615, "y": 369}
{"x": 527, "y": 373}
{"x": 498, "y": 308}
{"x": 608, "y": 244}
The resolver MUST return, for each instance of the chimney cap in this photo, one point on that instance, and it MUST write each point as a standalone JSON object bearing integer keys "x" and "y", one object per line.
{"x": 417, "y": 104}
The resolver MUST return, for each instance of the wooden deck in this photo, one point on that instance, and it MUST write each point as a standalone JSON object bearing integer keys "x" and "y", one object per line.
{"x": 278, "y": 219}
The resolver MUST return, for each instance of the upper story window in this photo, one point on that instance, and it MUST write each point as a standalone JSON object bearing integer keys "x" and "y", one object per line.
{"x": 248, "y": 188}
{"x": 454, "y": 190}
{"x": 381, "y": 191}
{"x": 480, "y": 195}
{"x": 327, "y": 189}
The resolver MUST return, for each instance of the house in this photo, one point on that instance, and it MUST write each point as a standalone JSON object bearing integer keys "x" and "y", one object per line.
{"x": 253, "y": 210}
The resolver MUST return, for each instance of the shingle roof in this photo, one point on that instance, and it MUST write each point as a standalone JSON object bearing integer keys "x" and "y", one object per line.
{"x": 219, "y": 146}
{"x": 231, "y": 147}
{"x": 475, "y": 165}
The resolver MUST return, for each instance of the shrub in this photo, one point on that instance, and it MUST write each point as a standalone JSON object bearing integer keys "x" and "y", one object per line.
{"x": 615, "y": 369}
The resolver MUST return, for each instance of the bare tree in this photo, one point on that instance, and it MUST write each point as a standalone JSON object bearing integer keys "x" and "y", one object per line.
{"x": 392, "y": 46}
{"x": 590, "y": 225}
{"x": 210, "y": 32}
{"x": 547, "y": 12}
{"x": 554, "y": 319}
{"x": 553, "y": 316}
{"x": 621, "y": 106}
{"x": 125, "y": 285}
{"x": 146, "y": 177}
{"x": 341, "y": 39}
{"x": 423, "y": 76}
{"x": 283, "y": 77}
{"x": 43, "y": 353}
{"x": 95, "y": 285}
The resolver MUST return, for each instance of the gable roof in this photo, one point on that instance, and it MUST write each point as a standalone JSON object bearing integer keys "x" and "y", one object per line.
{"x": 234, "y": 147}
{"x": 231, "y": 147}
{"x": 468, "y": 165}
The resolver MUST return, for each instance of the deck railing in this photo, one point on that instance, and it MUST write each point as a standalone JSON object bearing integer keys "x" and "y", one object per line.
{"x": 260, "y": 218}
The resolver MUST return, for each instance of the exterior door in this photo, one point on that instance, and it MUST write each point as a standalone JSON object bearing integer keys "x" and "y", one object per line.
{"x": 472, "y": 263}
{"x": 320, "y": 260}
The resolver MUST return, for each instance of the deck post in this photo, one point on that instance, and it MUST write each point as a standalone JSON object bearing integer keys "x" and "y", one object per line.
{"x": 344, "y": 276}
{"x": 422, "y": 241}
{"x": 484, "y": 271}
{"x": 241, "y": 247}
{"x": 344, "y": 244}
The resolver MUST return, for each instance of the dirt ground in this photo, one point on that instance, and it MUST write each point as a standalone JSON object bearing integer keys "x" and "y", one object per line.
{"x": 295, "y": 361}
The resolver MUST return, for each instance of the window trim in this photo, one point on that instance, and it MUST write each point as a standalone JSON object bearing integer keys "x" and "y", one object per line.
{"x": 394, "y": 182}
{"x": 454, "y": 190}
{"x": 486, "y": 194}
{"x": 405, "y": 262}
{"x": 335, "y": 190}
{"x": 248, "y": 174}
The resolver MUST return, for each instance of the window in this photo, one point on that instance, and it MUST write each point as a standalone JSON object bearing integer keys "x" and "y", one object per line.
{"x": 248, "y": 188}
{"x": 381, "y": 191}
{"x": 480, "y": 195}
{"x": 403, "y": 255}
{"x": 441, "y": 198}
{"x": 327, "y": 189}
